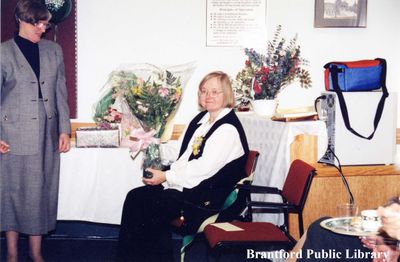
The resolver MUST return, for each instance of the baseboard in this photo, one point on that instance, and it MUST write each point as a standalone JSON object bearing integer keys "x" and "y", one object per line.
{"x": 84, "y": 230}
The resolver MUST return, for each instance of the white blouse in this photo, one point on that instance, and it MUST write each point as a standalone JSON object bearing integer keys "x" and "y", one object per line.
{"x": 222, "y": 147}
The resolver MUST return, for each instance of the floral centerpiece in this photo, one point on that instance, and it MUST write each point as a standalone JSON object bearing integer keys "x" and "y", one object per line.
{"x": 264, "y": 76}
{"x": 143, "y": 99}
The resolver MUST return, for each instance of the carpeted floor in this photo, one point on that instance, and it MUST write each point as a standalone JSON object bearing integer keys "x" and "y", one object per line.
{"x": 91, "y": 242}
{"x": 102, "y": 250}
{"x": 63, "y": 250}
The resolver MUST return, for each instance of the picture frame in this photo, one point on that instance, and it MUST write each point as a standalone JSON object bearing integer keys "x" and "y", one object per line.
{"x": 340, "y": 13}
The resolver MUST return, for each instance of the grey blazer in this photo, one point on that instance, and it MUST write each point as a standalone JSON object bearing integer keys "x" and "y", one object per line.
{"x": 19, "y": 97}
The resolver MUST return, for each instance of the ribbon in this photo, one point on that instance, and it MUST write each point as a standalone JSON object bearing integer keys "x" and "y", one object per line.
{"x": 141, "y": 140}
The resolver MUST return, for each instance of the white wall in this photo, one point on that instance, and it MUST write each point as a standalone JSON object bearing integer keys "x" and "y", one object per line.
{"x": 115, "y": 32}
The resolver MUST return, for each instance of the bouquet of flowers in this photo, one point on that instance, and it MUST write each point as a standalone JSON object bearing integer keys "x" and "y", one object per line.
{"x": 142, "y": 98}
{"x": 264, "y": 76}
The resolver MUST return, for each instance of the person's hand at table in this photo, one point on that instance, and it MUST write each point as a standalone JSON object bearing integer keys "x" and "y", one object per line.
{"x": 390, "y": 216}
{"x": 385, "y": 253}
{"x": 4, "y": 147}
{"x": 381, "y": 251}
{"x": 158, "y": 177}
{"x": 372, "y": 241}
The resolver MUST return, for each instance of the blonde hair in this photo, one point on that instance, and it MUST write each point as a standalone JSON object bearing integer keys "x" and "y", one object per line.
{"x": 226, "y": 85}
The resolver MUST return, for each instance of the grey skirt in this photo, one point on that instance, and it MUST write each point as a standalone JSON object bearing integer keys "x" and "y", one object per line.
{"x": 29, "y": 186}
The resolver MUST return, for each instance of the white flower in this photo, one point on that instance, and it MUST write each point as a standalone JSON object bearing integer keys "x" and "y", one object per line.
{"x": 143, "y": 109}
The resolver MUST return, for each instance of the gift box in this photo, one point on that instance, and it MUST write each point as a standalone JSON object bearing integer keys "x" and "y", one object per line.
{"x": 97, "y": 137}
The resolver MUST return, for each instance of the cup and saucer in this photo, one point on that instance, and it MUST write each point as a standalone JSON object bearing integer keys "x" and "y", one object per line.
{"x": 367, "y": 224}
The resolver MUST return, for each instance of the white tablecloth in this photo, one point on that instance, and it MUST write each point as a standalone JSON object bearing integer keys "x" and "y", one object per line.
{"x": 273, "y": 139}
{"x": 94, "y": 181}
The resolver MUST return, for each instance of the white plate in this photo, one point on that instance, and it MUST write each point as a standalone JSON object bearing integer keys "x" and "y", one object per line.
{"x": 346, "y": 226}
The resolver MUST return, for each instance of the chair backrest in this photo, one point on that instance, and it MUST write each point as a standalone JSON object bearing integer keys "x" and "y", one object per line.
{"x": 251, "y": 163}
{"x": 237, "y": 199}
{"x": 250, "y": 167}
{"x": 298, "y": 182}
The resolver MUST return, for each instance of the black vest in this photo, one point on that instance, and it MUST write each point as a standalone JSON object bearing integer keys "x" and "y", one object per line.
{"x": 212, "y": 192}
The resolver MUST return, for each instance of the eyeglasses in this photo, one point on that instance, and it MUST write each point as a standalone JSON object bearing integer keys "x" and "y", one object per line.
{"x": 42, "y": 25}
{"x": 212, "y": 93}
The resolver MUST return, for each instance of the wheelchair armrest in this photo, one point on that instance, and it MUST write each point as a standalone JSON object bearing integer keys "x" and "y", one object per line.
{"x": 271, "y": 207}
{"x": 259, "y": 189}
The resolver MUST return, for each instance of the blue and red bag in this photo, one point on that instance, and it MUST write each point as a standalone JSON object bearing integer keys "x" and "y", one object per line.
{"x": 364, "y": 75}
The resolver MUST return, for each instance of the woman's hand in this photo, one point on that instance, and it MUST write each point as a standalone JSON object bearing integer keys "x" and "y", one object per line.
{"x": 158, "y": 177}
{"x": 384, "y": 253}
{"x": 64, "y": 143}
{"x": 4, "y": 147}
{"x": 372, "y": 241}
{"x": 390, "y": 217}
{"x": 381, "y": 251}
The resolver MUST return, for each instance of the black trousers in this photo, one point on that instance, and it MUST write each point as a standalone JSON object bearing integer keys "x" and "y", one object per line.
{"x": 145, "y": 233}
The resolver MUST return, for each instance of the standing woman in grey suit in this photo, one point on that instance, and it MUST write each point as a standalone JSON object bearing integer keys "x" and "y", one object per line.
{"x": 35, "y": 128}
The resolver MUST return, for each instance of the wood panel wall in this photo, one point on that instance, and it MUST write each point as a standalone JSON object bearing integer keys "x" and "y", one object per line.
{"x": 398, "y": 136}
{"x": 371, "y": 186}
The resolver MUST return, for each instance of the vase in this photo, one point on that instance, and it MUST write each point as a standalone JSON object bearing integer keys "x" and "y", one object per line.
{"x": 264, "y": 107}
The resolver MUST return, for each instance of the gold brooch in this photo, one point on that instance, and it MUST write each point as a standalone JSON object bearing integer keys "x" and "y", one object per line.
{"x": 197, "y": 144}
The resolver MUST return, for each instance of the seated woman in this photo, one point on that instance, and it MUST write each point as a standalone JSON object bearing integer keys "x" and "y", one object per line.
{"x": 319, "y": 244}
{"x": 211, "y": 161}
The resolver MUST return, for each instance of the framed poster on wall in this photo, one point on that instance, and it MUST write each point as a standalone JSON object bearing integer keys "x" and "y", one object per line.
{"x": 340, "y": 13}
{"x": 236, "y": 23}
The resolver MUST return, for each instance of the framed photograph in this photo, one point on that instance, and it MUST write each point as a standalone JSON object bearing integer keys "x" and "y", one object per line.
{"x": 340, "y": 13}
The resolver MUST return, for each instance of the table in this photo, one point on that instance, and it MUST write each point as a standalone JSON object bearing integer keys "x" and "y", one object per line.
{"x": 94, "y": 181}
{"x": 273, "y": 140}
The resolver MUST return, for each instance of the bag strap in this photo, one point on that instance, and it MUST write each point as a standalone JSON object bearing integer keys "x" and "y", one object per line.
{"x": 379, "y": 110}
